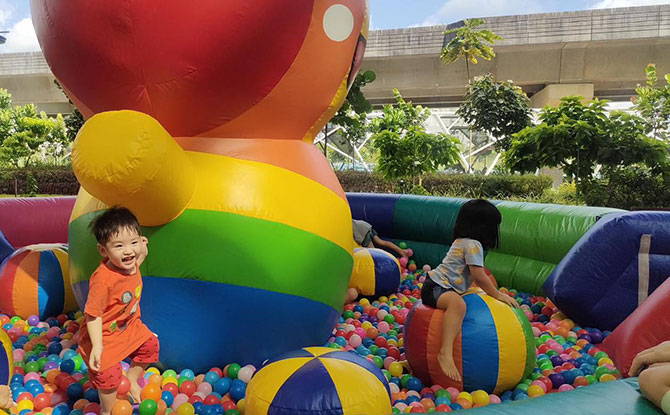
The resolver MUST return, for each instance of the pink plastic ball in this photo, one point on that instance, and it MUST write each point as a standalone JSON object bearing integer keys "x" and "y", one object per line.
{"x": 426, "y": 268}
{"x": 453, "y": 392}
{"x": 205, "y": 388}
{"x": 494, "y": 399}
{"x": 360, "y": 332}
{"x": 410, "y": 252}
{"x": 178, "y": 400}
{"x": 565, "y": 387}
{"x": 19, "y": 354}
{"x": 355, "y": 340}
{"x": 393, "y": 387}
{"x": 403, "y": 261}
{"x": 31, "y": 376}
{"x": 383, "y": 327}
{"x": 540, "y": 384}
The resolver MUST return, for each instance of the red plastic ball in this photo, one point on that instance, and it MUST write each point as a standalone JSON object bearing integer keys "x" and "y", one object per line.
{"x": 188, "y": 388}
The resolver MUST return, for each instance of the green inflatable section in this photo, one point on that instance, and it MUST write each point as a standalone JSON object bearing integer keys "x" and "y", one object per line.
{"x": 612, "y": 398}
{"x": 533, "y": 237}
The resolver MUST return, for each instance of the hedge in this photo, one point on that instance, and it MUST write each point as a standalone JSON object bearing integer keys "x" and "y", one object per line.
{"x": 39, "y": 180}
{"x": 445, "y": 184}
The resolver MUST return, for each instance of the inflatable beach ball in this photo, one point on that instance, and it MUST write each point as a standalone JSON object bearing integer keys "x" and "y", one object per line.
{"x": 375, "y": 273}
{"x": 494, "y": 351}
{"x": 6, "y": 358}
{"x": 34, "y": 280}
{"x": 318, "y": 380}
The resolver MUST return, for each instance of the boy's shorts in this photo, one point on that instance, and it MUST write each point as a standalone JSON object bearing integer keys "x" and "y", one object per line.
{"x": 110, "y": 378}
{"x": 368, "y": 238}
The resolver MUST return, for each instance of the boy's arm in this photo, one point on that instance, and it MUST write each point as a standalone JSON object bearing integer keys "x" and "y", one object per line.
{"x": 94, "y": 326}
{"x": 483, "y": 281}
{"x": 389, "y": 245}
{"x": 144, "y": 252}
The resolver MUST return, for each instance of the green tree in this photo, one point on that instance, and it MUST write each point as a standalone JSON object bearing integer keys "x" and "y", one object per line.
{"x": 653, "y": 104}
{"x": 406, "y": 150}
{"x": 581, "y": 138}
{"x": 470, "y": 43}
{"x": 352, "y": 116}
{"x": 497, "y": 107}
{"x": 24, "y": 132}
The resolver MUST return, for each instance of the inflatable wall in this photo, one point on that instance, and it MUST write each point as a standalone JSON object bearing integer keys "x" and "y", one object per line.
{"x": 613, "y": 268}
{"x": 533, "y": 237}
{"x": 35, "y": 220}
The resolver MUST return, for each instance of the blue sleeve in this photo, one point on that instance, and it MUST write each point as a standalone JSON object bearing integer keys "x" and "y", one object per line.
{"x": 474, "y": 253}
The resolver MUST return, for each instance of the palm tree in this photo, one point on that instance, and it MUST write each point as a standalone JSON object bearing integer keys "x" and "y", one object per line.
{"x": 470, "y": 43}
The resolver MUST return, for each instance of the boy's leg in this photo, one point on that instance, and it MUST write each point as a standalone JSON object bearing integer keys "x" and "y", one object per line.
{"x": 655, "y": 383}
{"x": 145, "y": 354}
{"x": 454, "y": 311}
{"x": 107, "y": 400}
{"x": 134, "y": 373}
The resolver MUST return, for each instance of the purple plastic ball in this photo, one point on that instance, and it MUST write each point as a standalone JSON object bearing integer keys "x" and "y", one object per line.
{"x": 556, "y": 361}
{"x": 33, "y": 320}
{"x": 556, "y": 380}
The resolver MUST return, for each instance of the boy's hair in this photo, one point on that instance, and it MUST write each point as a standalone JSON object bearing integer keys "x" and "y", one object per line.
{"x": 478, "y": 219}
{"x": 111, "y": 222}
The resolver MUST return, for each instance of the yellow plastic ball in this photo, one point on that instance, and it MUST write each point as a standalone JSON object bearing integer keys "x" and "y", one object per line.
{"x": 364, "y": 302}
{"x": 466, "y": 396}
{"x": 607, "y": 377}
{"x": 395, "y": 369}
{"x": 401, "y": 342}
{"x": 154, "y": 371}
{"x": 534, "y": 390}
{"x": 241, "y": 405}
{"x": 383, "y": 299}
{"x": 604, "y": 361}
{"x": 169, "y": 380}
{"x": 25, "y": 404}
{"x": 480, "y": 398}
{"x": 366, "y": 325}
{"x": 185, "y": 409}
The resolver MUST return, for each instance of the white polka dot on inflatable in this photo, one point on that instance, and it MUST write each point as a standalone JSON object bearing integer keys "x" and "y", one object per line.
{"x": 338, "y": 22}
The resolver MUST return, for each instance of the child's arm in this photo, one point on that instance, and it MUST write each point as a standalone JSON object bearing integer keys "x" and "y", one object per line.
{"x": 144, "y": 252}
{"x": 483, "y": 281}
{"x": 94, "y": 326}
{"x": 657, "y": 354}
{"x": 389, "y": 245}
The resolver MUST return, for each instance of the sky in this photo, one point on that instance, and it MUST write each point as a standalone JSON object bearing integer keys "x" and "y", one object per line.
{"x": 384, "y": 14}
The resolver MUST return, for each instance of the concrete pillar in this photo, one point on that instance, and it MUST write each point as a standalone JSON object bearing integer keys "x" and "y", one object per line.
{"x": 551, "y": 95}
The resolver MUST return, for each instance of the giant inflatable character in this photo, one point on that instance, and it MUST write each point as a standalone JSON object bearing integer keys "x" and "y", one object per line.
{"x": 201, "y": 118}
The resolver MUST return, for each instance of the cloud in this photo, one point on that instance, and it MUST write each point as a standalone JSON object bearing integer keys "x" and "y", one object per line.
{"x": 21, "y": 38}
{"x": 455, "y": 10}
{"x": 607, "y": 4}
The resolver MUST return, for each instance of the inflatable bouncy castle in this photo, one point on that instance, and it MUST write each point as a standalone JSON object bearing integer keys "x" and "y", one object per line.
{"x": 202, "y": 124}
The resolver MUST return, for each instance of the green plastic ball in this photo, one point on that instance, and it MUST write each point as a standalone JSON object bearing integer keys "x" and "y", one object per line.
{"x": 148, "y": 407}
{"x": 32, "y": 367}
{"x": 522, "y": 386}
{"x": 601, "y": 370}
{"x": 402, "y": 245}
{"x": 377, "y": 360}
{"x": 592, "y": 379}
{"x": 389, "y": 319}
{"x": 233, "y": 370}
{"x": 169, "y": 374}
{"x": 78, "y": 360}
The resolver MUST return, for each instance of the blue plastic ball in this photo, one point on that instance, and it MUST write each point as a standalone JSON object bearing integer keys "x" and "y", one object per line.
{"x": 61, "y": 409}
{"x": 222, "y": 386}
{"x": 211, "y": 377}
{"x": 75, "y": 391}
{"x": 187, "y": 374}
{"x": 168, "y": 398}
{"x": 91, "y": 395}
{"x": 237, "y": 389}
{"x": 67, "y": 366}
{"x": 414, "y": 384}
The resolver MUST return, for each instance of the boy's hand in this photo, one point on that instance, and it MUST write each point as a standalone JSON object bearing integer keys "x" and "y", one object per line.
{"x": 95, "y": 359}
{"x": 507, "y": 300}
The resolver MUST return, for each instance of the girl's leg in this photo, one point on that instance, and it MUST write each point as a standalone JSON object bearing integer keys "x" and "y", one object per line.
{"x": 655, "y": 382}
{"x": 107, "y": 400}
{"x": 134, "y": 373}
{"x": 454, "y": 311}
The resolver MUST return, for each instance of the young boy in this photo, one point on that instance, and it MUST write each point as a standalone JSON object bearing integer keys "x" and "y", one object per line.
{"x": 366, "y": 236}
{"x": 113, "y": 329}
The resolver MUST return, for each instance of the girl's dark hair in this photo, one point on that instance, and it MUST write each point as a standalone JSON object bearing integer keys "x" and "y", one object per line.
{"x": 111, "y": 222}
{"x": 478, "y": 219}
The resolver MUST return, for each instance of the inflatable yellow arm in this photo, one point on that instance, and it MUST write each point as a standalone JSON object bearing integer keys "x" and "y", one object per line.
{"x": 127, "y": 158}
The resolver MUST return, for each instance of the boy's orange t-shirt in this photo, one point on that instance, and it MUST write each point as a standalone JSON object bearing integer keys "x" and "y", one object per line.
{"x": 116, "y": 298}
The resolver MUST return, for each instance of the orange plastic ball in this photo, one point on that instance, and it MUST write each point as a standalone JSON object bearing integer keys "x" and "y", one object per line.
{"x": 122, "y": 408}
{"x": 151, "y": 391}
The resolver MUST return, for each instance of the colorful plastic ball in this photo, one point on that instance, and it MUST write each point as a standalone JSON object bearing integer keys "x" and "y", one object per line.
{"x": 151, "y": 392}
{"x": 188, "y": 388}
{"x": 607, "y": 377}
{"x": 480, "y": 398}
{"x": 211, "y": 377}
{"x": 565, "y": 388}
{"x": 246, "y": 373}
{"x": 185, "y": 409}
{"x": 148, "y": 407}
{"x": 232, "y": 370}
{"x": 535, "y": 390}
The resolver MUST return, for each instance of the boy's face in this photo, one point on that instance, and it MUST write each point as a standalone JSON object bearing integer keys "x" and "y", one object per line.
{"x": 123, "y": 249}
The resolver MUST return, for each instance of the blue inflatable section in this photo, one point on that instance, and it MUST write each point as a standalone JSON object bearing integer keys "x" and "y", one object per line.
{"x": 191, "y": 301}
{"x": 597, "y": 283}
{"x": 6, "y": 248}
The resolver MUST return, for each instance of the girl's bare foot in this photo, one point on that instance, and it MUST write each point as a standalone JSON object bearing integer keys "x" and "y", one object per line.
{"x": 448, "y": 366}
{"x": 135, "y": 392}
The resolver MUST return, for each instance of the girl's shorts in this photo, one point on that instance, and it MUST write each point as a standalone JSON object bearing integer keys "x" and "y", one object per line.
{"x": 431, "y": 291}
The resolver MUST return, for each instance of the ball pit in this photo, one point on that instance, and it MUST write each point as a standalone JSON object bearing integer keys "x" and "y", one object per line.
{"x": 50, "y": 378}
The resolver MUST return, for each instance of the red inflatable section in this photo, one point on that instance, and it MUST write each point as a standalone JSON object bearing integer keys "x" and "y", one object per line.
{"x": 646, "y": 327}
{"x": 35, "y": 220}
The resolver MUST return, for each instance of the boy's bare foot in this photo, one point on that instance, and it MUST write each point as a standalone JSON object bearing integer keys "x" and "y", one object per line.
{"x": 448, "y": 366}
{"x": 135, "y": 392}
